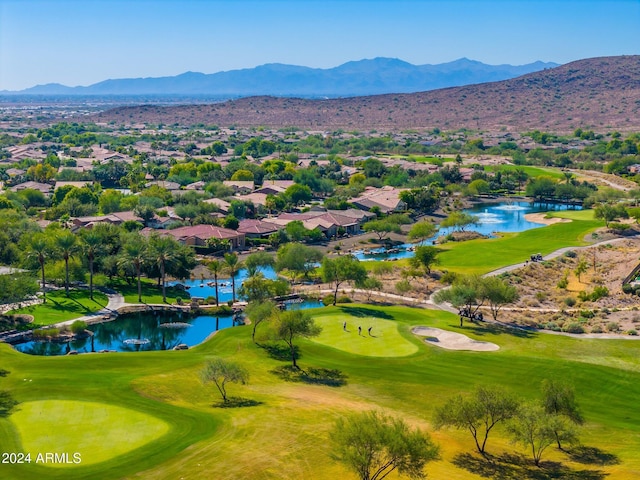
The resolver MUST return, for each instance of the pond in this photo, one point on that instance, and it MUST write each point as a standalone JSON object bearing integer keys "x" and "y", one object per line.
{"x": 144, "y": 331}
{"x": 494, "y": 217}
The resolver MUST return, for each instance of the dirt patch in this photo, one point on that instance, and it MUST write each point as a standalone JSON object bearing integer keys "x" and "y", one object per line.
{"x": 453, "y": 340}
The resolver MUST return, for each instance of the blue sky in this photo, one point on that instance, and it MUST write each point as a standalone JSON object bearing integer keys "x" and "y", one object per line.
{"x": 80, "y": 42}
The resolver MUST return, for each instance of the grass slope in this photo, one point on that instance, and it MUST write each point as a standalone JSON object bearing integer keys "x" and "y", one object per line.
{"x": 99, "y": 430}
{"x": 485, "y": 255}
{"x": 286, "y": 435}
{"x": 60, "y": 308}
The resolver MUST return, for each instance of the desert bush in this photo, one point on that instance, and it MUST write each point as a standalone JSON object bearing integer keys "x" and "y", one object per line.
{"x": 327, "y": 300}
{"x": 597, "y": 329}
{"x": 541, "y": 296}
{"x": 46, "y": 332}
{"x": 570, "y": 301}
{"x": 626, "y": 288}
{"x": 344, "y": 299}
{"x": 553, "y": 326}
{"x": 570, "y": 254}
{"x": 613, "y": 327}
{"x": 562, "y": 283}
{"x": 632, "y": 332}
{"x": 587, "y": 313}
{"x": 574, "y": 327}
{"x": 403, "y": 286}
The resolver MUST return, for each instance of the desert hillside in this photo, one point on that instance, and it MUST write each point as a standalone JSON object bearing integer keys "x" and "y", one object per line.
{"x": 599, "y": 93}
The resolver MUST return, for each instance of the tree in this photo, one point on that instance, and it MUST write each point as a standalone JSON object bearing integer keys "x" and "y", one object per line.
{"x": 39, "y": 248}
{"x": 259, "y": 312}
{"x": 215, "y": 266}
{"x": 426, "y": 256}
{"x": 532, "y": 428}
{"x": 297, "y": 258}
{"x": 220, "y": 372}
{"x": 257, "y": 288}
{"x": 340, "y": 270}
{"x": 145, "y": 212}
{"x": 92, "y": 246}
{"x": 232, "y": 266}
{"x": 135, "y": 252}
{"x": 66, "y": 244}
{"x": 258, "y": 260}
{"x": 609, "y": 213}
{"x": 373, "y": 445}
{"x": 498, "y": 293}
{"x": 581, "y": 268}
{"x": 163, "y": 251}
{"x": 291, "y": 325}
{"x": 559, "y": 400}
{"x": 479, "y": 413}
{"x": 460, "y": 221}
{"x": 467, "y": 292}
{"x": 381, "y": 228}
{"x": 298, "y": 194}
{"x": 421, "y": 231}
{"x": 371, "y": 284}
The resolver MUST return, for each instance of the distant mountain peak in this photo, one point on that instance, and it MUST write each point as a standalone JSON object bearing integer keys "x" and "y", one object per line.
{"x": 358, "y": 77}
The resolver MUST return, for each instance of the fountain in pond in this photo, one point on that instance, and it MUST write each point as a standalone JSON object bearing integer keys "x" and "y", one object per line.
{"x": 136, "y": 341}
{"x": 174, "y": 325}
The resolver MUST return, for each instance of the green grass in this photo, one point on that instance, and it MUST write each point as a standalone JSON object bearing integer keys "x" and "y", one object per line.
{"x": 384, "y": 341}
{"x": 485, "y": 255}
{"x": 584, "y": 215}
{"x": 151, "y": 293}
{"x": 286, "y": 435}
{"x": 60, "y": 308}
{"x": 529, "y": 170}
{"x": 99, "y": 430}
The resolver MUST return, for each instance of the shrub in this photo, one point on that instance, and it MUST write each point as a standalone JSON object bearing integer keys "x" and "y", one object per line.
{"x": 541, "y": 296}
{"x": 587, "y": 313}
{"x": 344, "y": 299}
{"x": 633, "y": 332}
{"x": 570, "y": 254}
{"x": 403, "y": 286}
{"x": 553, "y": 326}
{"x": 327, "y": 300}
{"x": 563, "y": 283}
{"x": 570, "y": 301}
{"x": 626, "y": 288}
{"x": 574, "y": 327}
{"x": 613, "y": 327}
{"x": 78, "y": 327}
{"x": 448, "y": 277}
{"x": 599, "y": 292}
{"x": 46, "y": 332}
{"x": 597, "y": 329}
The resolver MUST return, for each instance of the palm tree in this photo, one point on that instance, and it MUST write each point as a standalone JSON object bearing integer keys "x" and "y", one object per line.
{"x": 66, "y": 244}
{"x": 135, "y": 253}
{"x": 215, "y": 266}
{"x": 163, "y": 251}
{"x": 92, "y": 245}
{"x": 39, "y": 249}
{"x": 232, "y": 266}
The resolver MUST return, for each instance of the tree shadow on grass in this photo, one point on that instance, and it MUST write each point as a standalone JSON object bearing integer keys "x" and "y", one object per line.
{"x": 281, "y": 352}
{"x": 510, "y": 466}
{"x": 592, "y": 455}
{"x": 484, "y": 328}
{"x": 237, "y": 402}
{"x": 313, "y": 376}
{"x": 362, "y": 312}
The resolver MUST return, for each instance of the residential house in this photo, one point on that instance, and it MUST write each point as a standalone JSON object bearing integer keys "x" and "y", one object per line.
{"x": 240, "y": 186}
{"x": 258, "y": 228}
{"x": 197, "y": 235}
{"x": 387, "y": 199}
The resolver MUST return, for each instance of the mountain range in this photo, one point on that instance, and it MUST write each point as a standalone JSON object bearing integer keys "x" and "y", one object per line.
{"x": 598, "y": 93}
{"x": 363, "y": 77}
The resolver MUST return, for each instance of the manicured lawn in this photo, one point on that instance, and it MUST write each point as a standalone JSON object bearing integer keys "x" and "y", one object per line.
{"x": 291, "y": 421}
{"x": 151, "y": 293}
{"x": 384, "y": 340}
{"x": 100, "y": 430}
{"x": 485, "y": 255}
{"x": 60, "y": 308}
{"x": 529, "y": 170}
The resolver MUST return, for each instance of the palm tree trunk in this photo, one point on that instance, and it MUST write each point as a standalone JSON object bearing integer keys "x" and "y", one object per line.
{"x": 215, "y": 278}
{"x": 233, "y": 286}
{"x": 139, "y": 284}
{"x": 164, "y": 290}
{"x": 66, "y": 275}
{"x": 44, "y": 291}
{"x": 91, "y": 279}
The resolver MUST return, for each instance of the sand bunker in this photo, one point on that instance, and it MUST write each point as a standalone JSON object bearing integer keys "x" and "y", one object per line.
{"x": 543, "y": 219}
{"x": 452, "y": 340}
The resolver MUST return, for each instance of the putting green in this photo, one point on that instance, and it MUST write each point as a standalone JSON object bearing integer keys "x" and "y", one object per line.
{"x": 384, "y": 341}
{"x": 97, "y": 431}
